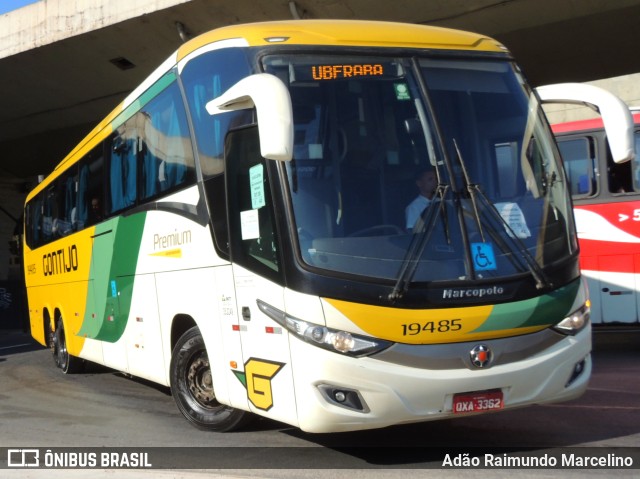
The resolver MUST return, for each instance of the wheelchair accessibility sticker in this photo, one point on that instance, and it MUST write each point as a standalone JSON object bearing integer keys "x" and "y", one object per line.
{"x": 483, "y": 257}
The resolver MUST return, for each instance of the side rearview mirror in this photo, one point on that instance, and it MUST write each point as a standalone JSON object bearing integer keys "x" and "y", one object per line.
{"x": 617, "y": 119}
{"x": 270, "y": 97}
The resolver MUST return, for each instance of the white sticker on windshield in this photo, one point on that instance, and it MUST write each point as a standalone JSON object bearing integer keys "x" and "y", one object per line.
{"x": 514, "y": 217}
{"x": 250, "y": 224}
{"x": 257, "y": 186}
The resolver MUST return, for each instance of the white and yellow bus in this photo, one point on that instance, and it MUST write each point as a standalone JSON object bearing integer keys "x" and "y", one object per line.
{"x": 236, "y": 230}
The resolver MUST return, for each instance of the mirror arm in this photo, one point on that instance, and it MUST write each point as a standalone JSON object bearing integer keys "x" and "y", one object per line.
{"x": 617, "y": 119}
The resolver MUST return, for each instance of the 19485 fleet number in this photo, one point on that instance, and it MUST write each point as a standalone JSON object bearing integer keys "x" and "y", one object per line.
{"x": 442, "y": 326}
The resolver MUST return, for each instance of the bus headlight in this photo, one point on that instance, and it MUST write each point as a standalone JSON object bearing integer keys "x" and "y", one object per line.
{"x": 326, "y": 338}
{"x": 576, "y": 321}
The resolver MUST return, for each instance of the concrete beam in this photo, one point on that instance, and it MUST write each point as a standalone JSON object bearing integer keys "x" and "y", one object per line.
{"x": 49, "y": 21}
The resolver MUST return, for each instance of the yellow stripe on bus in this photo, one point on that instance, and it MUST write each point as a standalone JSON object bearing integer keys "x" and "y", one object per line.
{"x": 424, "y": 326}
{"x": 171, "y": 253}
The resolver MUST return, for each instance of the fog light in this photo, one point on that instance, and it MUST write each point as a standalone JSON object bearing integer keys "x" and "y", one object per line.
{"x": 578, "y": 369}
{"x": 346, "y": 398}
{"x": 340, "y": 396}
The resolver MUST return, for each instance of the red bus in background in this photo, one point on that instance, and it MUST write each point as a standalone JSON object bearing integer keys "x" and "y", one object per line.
{"x": 606, "y": 197}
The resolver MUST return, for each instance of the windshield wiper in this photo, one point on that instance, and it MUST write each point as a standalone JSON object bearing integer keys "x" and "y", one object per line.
{"x": 475, "y": 192}
{"x": 426, "y": 223}
{"x": 542, "y": 282}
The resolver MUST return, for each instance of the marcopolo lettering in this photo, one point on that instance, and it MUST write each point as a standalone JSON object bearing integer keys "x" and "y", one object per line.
{"x": 60, "y": 261}
{"x": 472, "y": 293}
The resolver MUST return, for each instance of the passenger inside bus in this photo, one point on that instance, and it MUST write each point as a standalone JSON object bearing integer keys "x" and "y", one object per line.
{"x": 619, "y": 177}
{"x": 95, "y": 212}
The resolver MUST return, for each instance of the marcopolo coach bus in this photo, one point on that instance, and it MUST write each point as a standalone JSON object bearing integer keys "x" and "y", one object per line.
{"x": 236, "y": 230}
{"x": 606, "y": 198}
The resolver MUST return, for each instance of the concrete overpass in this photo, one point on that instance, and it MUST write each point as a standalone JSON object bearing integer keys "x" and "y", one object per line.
{"x": 64, "y": 64}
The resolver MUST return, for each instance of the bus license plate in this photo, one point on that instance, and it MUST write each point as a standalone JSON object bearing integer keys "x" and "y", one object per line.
{"x": 477, "y": 402}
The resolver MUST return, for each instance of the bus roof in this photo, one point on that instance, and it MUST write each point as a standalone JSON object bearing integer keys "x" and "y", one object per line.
{"x": 299, "y": 32}
{"x": 584, "y": 125}
{"x": 347, "y": 33}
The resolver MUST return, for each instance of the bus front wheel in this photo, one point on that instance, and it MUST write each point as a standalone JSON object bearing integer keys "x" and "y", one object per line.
{"x": 192, "y": 387}
{"x": 67, "y": 363}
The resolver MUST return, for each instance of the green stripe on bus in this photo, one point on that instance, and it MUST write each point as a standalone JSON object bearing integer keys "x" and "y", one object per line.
{"x": 145, "y": 98}
{"x": 547, "y": 309}
{"x": 112, "y": 277}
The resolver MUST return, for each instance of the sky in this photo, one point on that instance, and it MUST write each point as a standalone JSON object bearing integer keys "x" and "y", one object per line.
{"x": 8, "y": 5}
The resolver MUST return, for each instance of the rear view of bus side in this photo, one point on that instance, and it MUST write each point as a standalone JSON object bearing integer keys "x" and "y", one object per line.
{"x": 236, "y": 229}
{"x": 606, "y": 198}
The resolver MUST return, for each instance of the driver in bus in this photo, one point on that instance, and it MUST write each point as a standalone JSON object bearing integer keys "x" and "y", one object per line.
{"x": 426, "y": 182}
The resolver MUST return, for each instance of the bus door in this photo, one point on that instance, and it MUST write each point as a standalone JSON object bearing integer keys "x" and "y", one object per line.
{"x": 265, "y": 372}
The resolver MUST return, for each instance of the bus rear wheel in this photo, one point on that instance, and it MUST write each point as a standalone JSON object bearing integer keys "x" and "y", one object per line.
{"x": 66, "y": 362}
{"x": 192, "y": 387}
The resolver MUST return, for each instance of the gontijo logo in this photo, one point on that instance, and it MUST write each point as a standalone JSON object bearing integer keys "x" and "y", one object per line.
{"x": 60, "y": 261}
{"x": 256, "y": 378}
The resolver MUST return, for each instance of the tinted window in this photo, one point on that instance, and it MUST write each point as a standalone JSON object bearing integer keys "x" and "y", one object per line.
{"x": 204, "y": 79}
{"x": 165, "y": 144}
{"x": 579, "y": 165}
{"x": 151, "y": 152}
{"x": 70, "y": 203}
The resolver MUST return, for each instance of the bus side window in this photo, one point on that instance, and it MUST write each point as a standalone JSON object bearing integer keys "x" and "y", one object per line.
{"x": 636, "y": 163}
{"x": 82, "y": 204}
{"x": 33, "y": 217}
{"x": 65, "y": 192}
{"x": 205, "y": 78}
{"x": 579, "y": 163}
{"x": 619, "y": 178}
{"x": 123, "y": 166}
{"x": 624, "y": 177}
{"x": 619, "y": 175}
{"x": 167, "y": 159}
{"x": 91, "y": 190}
{"x": 49, "y": 214}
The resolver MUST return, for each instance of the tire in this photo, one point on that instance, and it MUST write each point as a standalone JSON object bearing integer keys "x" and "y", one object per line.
{"x": 67, "y": 363}
{"x": 48, "y": 335}
{"x": 192, "y": 387}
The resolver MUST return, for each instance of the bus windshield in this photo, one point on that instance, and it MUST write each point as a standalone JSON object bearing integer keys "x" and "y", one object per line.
{"x": 427, "y": 169}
